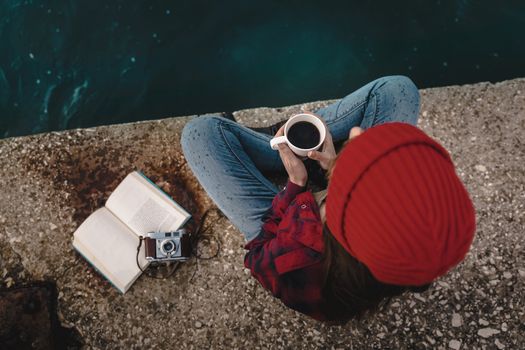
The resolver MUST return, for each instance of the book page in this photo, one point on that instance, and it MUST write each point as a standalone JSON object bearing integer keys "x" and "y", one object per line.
{"x": 144, "y": 207}
{"x": 110, "y": 247}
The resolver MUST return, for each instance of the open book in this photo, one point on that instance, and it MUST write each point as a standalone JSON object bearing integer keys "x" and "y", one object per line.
{"x": 109, "y": 237}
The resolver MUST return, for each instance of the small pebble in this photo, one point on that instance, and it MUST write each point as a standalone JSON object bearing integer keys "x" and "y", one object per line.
{"x": 483, "y": 322}
{"x": 454, "y": 344}
{"x": 9, "y": 282}
{"x": 499, "y": 344}
{"x": 480, "y": 168}
{"x": 487, "y": 332}
{"x": 198, "y": 324}
{"x": 457, "y": 320}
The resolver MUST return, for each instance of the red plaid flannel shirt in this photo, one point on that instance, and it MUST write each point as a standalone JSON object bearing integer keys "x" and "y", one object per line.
{"x": 286, "y": 255}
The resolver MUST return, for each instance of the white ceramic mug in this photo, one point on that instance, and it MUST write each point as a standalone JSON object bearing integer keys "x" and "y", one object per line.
{"x": 302, "y": 117}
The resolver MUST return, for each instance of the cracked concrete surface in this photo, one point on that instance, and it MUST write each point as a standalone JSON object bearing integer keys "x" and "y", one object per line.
{"x": 51, "y": 182}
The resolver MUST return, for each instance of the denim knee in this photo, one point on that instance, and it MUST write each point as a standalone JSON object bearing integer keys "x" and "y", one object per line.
{"x": 400, "y": 85}
{"x": 195, "y": 131}
{"x": 405, "y": 91}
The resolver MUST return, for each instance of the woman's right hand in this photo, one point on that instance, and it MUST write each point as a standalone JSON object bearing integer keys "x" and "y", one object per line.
{"x": 327, "y": 153}
{"x": 293, "y": 165}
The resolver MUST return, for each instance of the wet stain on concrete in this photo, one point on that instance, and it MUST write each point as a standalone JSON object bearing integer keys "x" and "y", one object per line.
{"x": 88, "y": 176}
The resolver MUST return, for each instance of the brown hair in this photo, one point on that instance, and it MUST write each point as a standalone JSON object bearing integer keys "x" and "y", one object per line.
{"x": 350, "y": 290}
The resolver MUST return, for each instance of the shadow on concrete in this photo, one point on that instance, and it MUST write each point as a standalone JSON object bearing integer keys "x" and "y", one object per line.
{"x": 29, "y": 320}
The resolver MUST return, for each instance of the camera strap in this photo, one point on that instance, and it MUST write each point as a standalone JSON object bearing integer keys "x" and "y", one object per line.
{"x": 195, "y": 238}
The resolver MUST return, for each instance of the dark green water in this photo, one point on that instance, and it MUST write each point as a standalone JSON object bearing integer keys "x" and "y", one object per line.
{"x": 67, "y": 64}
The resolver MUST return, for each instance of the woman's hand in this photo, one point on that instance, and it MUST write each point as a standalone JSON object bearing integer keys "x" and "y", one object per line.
{"x": 293, "y": 165}
{"x": 327, "y": 154}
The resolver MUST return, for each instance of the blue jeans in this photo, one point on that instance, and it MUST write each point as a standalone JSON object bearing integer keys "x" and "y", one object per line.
{"x": 228, "y": 159}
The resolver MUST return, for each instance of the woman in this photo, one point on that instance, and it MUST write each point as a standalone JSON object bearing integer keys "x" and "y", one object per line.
{"x": 395, "y": 215}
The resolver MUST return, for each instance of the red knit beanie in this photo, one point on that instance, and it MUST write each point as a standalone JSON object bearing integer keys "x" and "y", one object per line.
{"x": 395, "y": 203}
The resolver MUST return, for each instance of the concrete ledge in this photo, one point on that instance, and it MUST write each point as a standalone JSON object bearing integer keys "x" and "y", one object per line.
{"x": 50, "y": 183}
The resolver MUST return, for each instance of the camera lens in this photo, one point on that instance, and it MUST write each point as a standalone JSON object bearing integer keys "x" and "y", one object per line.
{"x": 168, "y": 246}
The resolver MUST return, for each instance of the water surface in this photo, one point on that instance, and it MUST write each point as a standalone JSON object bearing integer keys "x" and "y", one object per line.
{"x": 67, "y": 64}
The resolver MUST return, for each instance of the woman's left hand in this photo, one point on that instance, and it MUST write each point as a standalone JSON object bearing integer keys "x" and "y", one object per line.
{"x": 327, "y": 153}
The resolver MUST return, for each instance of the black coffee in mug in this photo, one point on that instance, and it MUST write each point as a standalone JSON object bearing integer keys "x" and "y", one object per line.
{"x": 304, "y": 135}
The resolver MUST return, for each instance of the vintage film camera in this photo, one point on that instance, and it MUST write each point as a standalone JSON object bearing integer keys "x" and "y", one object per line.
{"x": 167, "y": 246}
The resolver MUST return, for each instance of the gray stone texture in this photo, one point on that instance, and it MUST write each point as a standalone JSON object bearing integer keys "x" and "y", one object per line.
{"x": 51, "y": 182}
